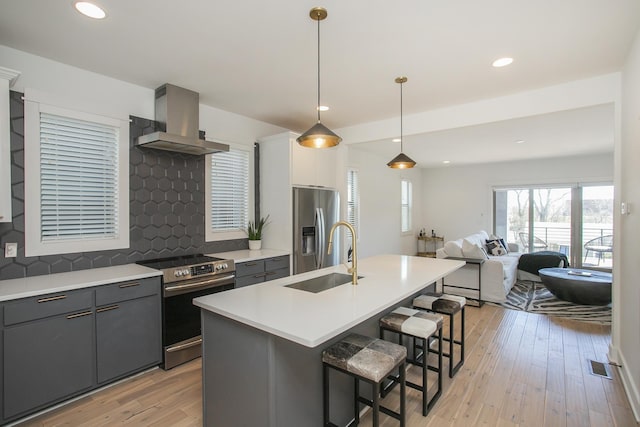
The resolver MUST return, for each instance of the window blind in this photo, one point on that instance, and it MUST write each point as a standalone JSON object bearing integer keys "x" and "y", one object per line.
{"x": 78, "y": 178}
{"x": 353, "y": 201}
{"x": 229, "y": 190}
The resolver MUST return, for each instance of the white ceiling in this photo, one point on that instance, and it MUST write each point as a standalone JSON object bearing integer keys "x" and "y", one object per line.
{"x": 258, "y": 59}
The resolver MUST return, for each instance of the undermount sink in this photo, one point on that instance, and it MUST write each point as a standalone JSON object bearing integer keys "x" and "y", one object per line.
{"x": 322, "y": 283}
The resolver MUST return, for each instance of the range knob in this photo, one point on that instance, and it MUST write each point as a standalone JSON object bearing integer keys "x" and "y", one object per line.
{"x": 185, "y": 272}
{"x": 177, "y": 273}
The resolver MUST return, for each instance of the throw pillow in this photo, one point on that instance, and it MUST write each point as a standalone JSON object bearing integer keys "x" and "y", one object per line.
{"x": 471, "y": 250}
{"x": 495, "y": 248}
{"x": 453, "y": 248}
{"x": 502, "y": 242}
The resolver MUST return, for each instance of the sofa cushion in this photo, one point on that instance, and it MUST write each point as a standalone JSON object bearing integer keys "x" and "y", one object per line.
{"x": 470, "y": 249}
{"x": 453, "y": 248}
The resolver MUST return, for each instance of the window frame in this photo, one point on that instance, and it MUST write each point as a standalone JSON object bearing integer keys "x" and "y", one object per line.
{"x": 406, "y": 229}
{"x": 212, "y": 235}
{"x": 34, "y": 245}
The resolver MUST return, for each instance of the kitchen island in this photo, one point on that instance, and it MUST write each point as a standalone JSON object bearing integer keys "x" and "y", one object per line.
{"x": 262, "y": 344}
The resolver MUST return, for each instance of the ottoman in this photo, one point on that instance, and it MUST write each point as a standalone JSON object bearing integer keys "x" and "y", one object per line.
{"x": 576, "y": 285}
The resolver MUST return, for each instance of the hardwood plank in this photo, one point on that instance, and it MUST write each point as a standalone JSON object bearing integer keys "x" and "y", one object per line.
{"x": 521, "y": 369}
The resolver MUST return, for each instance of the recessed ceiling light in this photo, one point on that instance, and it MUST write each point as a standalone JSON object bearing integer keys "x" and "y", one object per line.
{"x": 323, "y": 108}
{"x": 396, "y": 140}
{"x": 502, "y": 62}
{"x": 446, "y": 162}
{"x": 520, "y": 141}
{"x": 89, "y": 9}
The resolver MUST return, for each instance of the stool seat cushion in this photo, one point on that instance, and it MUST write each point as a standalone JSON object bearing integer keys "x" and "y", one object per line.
{"x": 412, "y": 322}
{"x": 370, "y": 358}
{"x": 440, "y": 303}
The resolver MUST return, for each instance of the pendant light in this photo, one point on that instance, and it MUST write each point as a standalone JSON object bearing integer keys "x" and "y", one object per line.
{"x": 401, "y": 161}
{"x": 319, "y": 136}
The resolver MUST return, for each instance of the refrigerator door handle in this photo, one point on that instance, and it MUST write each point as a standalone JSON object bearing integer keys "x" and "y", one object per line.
{"x": 320, "y": 236}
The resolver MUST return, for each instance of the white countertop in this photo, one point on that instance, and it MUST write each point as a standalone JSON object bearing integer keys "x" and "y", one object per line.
{"x": 247, "y": 255}
{"x": 311, "y": 319}
{"x": 62, "y": 282}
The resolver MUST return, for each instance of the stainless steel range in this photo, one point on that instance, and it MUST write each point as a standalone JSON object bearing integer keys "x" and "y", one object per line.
{"x": 185, "y": 278}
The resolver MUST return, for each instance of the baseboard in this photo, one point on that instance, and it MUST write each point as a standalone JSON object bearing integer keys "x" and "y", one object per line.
{"x": 630, "y": 387}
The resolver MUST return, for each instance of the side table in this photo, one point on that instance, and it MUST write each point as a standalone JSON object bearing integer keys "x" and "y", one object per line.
{"x": 431, "y": 245}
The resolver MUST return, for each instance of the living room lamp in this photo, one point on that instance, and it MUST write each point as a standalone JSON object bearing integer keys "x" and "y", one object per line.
{"x": 319, "y": 136}
{"x": 401, "y": 161}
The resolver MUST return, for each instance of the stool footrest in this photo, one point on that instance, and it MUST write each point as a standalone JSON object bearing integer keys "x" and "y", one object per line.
{"x": 381, "y": 408}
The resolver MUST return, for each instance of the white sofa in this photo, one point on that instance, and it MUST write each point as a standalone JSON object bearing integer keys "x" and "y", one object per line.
{"x": 498, "y": 273}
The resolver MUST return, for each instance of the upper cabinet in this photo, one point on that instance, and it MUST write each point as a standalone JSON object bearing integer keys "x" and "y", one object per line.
{"x": 313, "y": 166}
{"x": 283, "y": 164}
{"x": 7, "y": 77}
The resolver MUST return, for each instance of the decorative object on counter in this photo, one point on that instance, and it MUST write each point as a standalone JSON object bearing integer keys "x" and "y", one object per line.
{"x": 254, "y": 231}
{"x": 401, "y": 161}
{"x": 319, "y": 136}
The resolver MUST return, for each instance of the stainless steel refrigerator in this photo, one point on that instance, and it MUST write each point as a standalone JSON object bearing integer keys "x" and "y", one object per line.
{"x": 315, "y": 210}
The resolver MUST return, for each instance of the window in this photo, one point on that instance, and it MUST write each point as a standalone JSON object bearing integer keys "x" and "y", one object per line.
{"x": 228, "y": 194}
{"x": 560, "y": 218}
{"x": 353, "y": 201}
{"x": 405, "y": 201}
{"x": 76, "y": 181}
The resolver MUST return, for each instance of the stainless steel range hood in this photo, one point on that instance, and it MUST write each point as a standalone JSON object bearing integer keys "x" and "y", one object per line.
{"x": 177, "y": 112}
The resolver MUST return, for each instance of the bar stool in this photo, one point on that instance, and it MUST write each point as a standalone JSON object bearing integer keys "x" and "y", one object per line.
{"x": 365, "y": 359}
{"x": 448, "y": 305}
{"x": 416, "y": 324}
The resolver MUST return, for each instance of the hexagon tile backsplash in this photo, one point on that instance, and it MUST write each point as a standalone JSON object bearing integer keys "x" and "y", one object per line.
{"x": 167, "y": 208}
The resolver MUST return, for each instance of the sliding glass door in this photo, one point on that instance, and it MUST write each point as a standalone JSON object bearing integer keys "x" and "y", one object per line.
{"x": 575, "y": 221}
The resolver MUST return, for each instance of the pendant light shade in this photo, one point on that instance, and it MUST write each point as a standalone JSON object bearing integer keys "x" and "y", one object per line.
{"x": 319, "y": 136}
{"x": 401, "y": 161}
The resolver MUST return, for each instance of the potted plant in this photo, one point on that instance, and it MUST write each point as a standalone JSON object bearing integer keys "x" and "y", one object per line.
{"x": 254, "y": 231}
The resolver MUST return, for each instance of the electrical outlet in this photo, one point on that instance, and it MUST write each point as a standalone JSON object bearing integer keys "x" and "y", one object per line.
{"x": 10, "y": 250}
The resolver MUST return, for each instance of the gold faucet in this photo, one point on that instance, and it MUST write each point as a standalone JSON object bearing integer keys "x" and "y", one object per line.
{"x": 354, "y": 255}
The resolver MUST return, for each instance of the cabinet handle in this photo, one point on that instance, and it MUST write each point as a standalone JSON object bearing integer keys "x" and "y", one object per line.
{"x": 56, "y": 298}
{"x": 129, "y": 285}
{"x": 111, "y": 307}
{"x": 260, "y": 275}
{"x": 251, "y": 264}
{"x": 269, "y": 273}
{"x": 84, "y": 313}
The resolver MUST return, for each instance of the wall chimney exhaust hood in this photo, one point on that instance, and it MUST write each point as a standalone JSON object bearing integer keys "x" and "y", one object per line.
{"x": 177, "y": 112}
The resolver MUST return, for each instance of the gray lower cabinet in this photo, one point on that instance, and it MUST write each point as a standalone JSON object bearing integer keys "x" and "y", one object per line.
{"x": 57, "y": 346}
{"x": 47, "y": 360}
{"x": 261, "y": 270}
{"x": 127, "y": 337}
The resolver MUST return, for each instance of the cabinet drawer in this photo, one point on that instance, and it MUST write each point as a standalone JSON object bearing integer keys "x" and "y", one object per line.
{"x": 124, "y": 291}
{"x": 277, "y": 274}
{"x": 276, "y": 263}
{"x": 249, "y": 267}
{"x": 26, "y": 309}
{"x": 249, "y": 280}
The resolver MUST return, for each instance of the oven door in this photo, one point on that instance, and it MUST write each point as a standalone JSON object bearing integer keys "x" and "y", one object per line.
{"x": 181, "y": 332}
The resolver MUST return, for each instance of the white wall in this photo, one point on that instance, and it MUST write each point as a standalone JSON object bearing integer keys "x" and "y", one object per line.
{"x": 91, "y": 91}
{"x": 380, "y": 205}
{"x": 457, "y": 201}
{"x": 626, "y": 294}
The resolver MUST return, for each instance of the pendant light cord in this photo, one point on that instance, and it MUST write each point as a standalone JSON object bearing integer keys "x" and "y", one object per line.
{"x": 401, "y": 135}
{"x": 318, "y": 106}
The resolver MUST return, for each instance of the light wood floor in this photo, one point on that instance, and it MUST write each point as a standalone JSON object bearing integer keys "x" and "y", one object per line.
{"x": 521, "y": 369}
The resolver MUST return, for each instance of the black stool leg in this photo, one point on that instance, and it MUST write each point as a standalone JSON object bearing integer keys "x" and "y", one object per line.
{"x": 451, "y": 343}
{"x": 376, "y": 407}
{"x": 403, "y": 392}
{"x": 356, "y": 397}
{"x": 462, "y": 336}
{"x": 325, "y": 394}
{"x": 425, "y": 388}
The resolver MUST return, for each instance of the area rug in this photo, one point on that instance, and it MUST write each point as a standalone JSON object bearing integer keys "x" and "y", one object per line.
{"x": 533, "y": 297}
